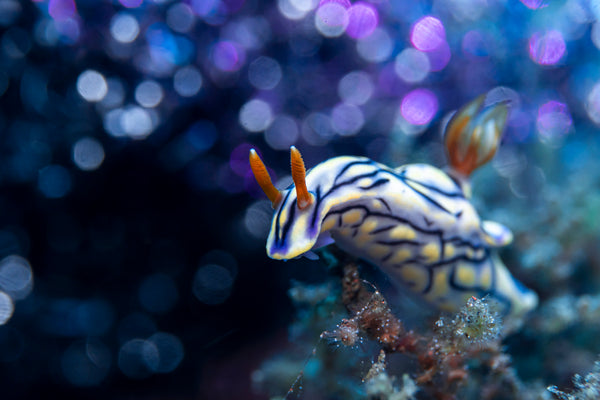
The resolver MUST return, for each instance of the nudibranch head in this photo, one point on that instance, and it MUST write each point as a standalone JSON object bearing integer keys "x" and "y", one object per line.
{"x": 296, "y": 226}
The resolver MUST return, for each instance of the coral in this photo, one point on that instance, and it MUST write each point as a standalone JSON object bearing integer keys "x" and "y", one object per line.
{"x": 477, "y": 324}
{"x": 380, "y": 386}
{"x": 452, "y": 356}
{"x": 587, "y": 388}
{"x": 442, "y": 355}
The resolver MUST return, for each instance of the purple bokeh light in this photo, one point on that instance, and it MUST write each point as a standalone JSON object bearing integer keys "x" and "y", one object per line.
{"x": 419, "y": 106}
{"x": 547, "y": 49}
{"x": 344, "y": 3}
{"x": 61, "y": 10}
{"x": 533, "y": 4}
{"x": 428, "y": 33}
{"x": 131, "y": 3}
{"x": 362, "y": 20}
{"x": 439, "y": 57}
{"x": 228, "y": 56}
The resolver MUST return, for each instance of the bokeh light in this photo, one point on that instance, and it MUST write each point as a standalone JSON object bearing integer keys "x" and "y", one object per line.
{"x": 61, "y": 9}
{"x": 16, "y": 277}
{"x": 317, "y": 130}
{"x": 9, "y": 12}
{"x": 86, "y": 363}
{"x": 92, "y": 85}
{"x": 212, "y": 284}
{"x": 419, "y": 106}
{"x": 228, "y": 56}
{"x": 289, "y": 9}
{"x": 412, "y": 66}
{"x": 256, "y": 115}
{"x": 136, "y": 122}
{"x": 115, "y": 94}
{"x": 362, "y": 20}
{"x": 282, "y": 132}
{"x": 206, "y": 8}
{"x": 149, "y": 93}
{"x": 428, "y": 33}
{"x": 88, "y": 154}
{"x": 180, "y": 17}
{"x": 553, "y": 120}
{"x": 187, "y": 81}
{"x": 548, "y": 48}
{"x": 356, "y": 88}
{"x": 592, "y": 103}
{"x": 54, "y": 181}
{"x": 331, "y": 18}
{"x": 257, "y": 219}
{"x": 439, "y": 58}
{"x": 6, "y": 308}
{"x": 124, "y": 27}
{"x": 376, "y": 47}
{"x": 131, "y": 3}
{"x": 138, "y": 358}
{"x": 170, "y": 352}
{"x": 347, "y": 119}
{"x": 533, "y": 4}
{"x": 264, "y": 73}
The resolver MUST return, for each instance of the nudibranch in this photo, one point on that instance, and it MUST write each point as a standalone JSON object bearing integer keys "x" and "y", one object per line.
{"x": 415, "y": 222}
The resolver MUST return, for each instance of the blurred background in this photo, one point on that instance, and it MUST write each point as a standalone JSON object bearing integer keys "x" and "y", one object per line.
{"x": 132, "y": 260}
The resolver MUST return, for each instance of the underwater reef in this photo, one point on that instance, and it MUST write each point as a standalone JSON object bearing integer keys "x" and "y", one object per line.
{"x": 134, "y": 236}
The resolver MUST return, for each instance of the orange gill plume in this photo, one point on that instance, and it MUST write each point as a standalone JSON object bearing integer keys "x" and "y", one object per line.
{"x": 472, "y": 136}
{"x": 264, "y": 180}
{"x": 299, "y": 175}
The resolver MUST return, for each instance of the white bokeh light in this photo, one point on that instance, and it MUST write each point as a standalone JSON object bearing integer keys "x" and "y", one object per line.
{"x": 124, "y": 28}
{"x": 288, "y": 9}
{"x": 331, "y": 19}
{"x": 92, "y": 86}
{"x": 256, "y": 115}
{"x": 136, "y": 122}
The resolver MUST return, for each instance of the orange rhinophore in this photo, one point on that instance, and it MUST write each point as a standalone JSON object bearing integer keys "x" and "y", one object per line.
{"x": 264, "y": 180}
{"x": 299, "y": 175}
{"x": 472, "y": 136}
